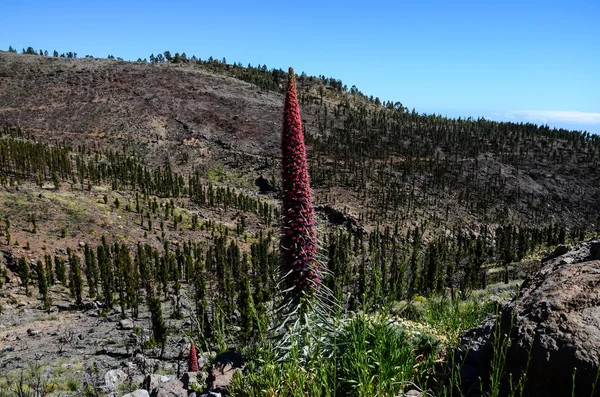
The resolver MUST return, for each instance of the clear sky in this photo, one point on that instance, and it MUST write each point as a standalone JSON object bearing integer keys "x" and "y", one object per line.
{"x": 528, "y": 60}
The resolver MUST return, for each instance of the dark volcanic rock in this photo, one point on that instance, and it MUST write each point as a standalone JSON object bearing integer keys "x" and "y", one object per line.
{"x": 265, "y": 185}
{"x": 595, "y": 250}
{"x": 7, "y": 258}
{"x": 557, "y": 318}
{"x": 561, "y": 250}
{"x": 338, "y": 217}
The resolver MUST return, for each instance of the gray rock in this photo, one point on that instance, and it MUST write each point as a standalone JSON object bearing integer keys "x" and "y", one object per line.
{"x": 9, "y": 348}
{"x": 133, "y": 338}
{"x": 172, "y": 388}
{"x": 203, "y": 360}
{"x": 411, "y": 393}
{"x": 152, "y": 381}
{"x": 137, "y": 380}
{"x": 125, "y": 324}
{"x": 114, "y": 378}
{"x": 145, "y": 364}
{"x": 129, "y": 365}
{"x": 33, "y": 332}
{"x": 190, "y": 379}
{"x": 138, "y": 393}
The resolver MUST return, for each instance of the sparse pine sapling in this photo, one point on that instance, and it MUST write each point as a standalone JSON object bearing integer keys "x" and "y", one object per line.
{"x": 49, "y": 271}
{"x": 43, "y": 284}
{"x": 91, "y": 270}
{"x": 159, "y": 328}
{"x": 61, "y": 271}
{"x": 56, "y": 180}
{"x": 33, "y": 220}
{"x": 24, "y": 273}
{"x": 201, "y": 294}
{"x": 75, "y": 279}
{"x": 106, "y": 272}
{"x": 298, "y": 242}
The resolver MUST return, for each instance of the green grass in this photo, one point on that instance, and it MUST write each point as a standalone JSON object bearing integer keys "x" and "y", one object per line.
{"x": 375, "y": 354}
{"x": 59, "y": 379}
{"x": 409, "y": 346}
{"x": 450, "y": 318}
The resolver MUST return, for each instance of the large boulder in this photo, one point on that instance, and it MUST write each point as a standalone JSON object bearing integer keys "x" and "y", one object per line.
{"x": 193, "y": 380}
{"x": 265, "y": 185}
{"x": 556, "y": 319}
{"x": 224, "y": 366}
{"x": 172, "y": 388}
{"x": 114, "y": 378}
{"x": 152, "y": 381}
{"x": 125, "y": 324}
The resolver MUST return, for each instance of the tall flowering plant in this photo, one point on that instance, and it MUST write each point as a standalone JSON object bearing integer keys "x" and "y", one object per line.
{"x": 298, "y": 242}
{"x": 193, "y": 359}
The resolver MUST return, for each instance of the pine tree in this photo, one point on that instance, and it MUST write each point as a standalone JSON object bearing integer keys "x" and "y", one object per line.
{"x": 43, "y": 284}
{"x": 201, "y": 297}
{"x": 415, "y": 265}
{"x": 245, "y": 302}
{"x": 91, "y": 270}
{"x": 106, "y": 273}
{"x": 24, "y": 273}
{"x": 49, "y": 272}
{"x": 61, "y": 270}
{"x": 75, "y": 280}
{"x": 433, "y": 271}
{"x": 159, "y": 329}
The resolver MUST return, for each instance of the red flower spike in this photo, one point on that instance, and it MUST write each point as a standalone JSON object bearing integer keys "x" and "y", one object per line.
{"x": 298, "y": 243}
{"x": 193, "y": 359}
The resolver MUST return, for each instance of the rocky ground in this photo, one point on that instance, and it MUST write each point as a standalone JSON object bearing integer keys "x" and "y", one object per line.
{"x": 104, "y": 350}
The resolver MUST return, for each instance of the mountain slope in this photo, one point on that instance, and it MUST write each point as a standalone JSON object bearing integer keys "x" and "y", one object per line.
{"x": 379, "y": 164}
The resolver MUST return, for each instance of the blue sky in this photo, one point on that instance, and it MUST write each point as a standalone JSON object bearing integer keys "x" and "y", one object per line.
{"x": 535, "y": 61}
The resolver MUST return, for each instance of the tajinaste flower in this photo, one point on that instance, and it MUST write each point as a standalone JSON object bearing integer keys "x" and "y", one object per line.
{"x": 298, "y": 242}
{"x": 193, "y": 359}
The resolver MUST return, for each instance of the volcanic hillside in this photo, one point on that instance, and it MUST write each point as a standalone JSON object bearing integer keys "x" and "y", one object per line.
{"x": 379, "y": 163}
